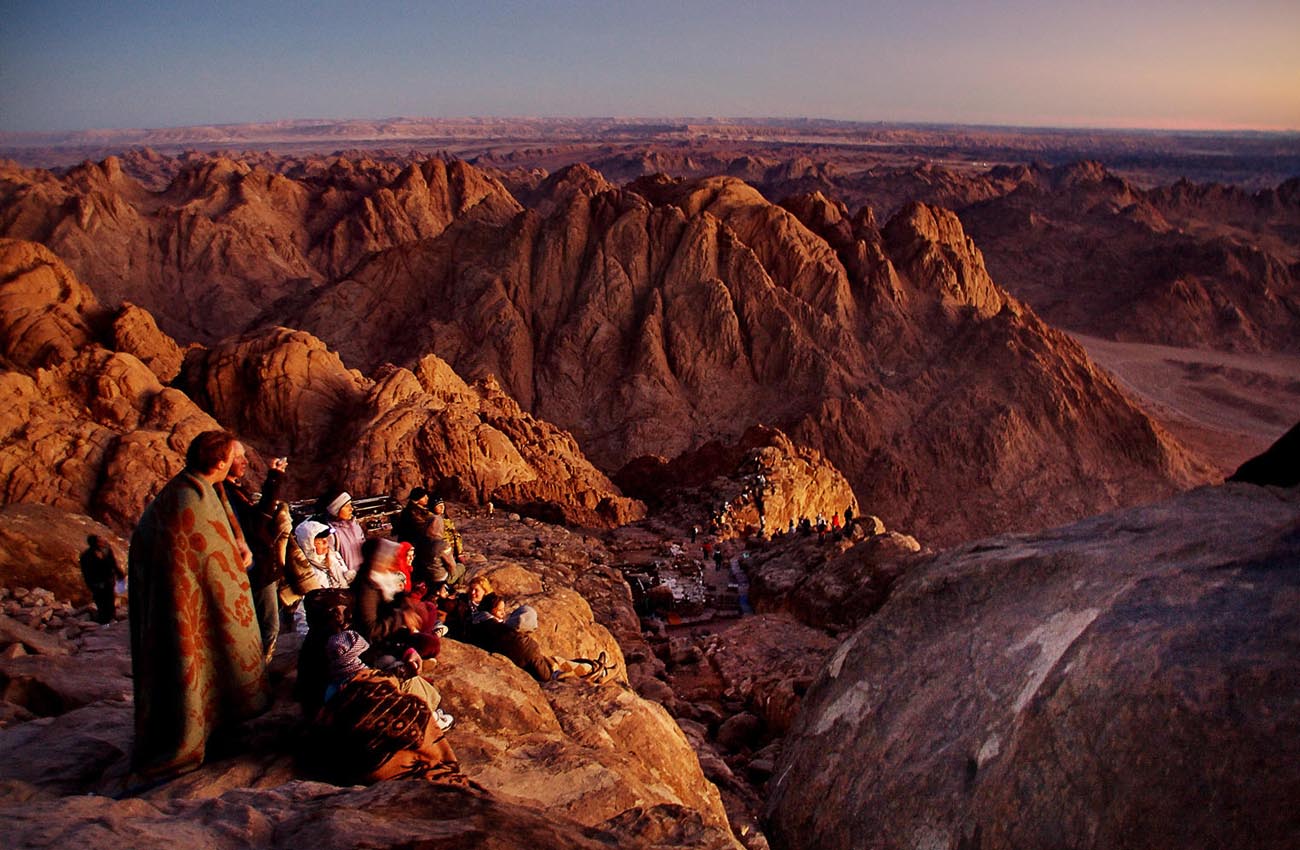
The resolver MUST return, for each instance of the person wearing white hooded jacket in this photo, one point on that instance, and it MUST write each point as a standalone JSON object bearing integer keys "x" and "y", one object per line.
{"x": 314, "y": 539}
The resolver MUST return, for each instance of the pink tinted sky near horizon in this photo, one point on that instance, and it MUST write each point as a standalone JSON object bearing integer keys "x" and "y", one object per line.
{"x": 1160, "y": 64}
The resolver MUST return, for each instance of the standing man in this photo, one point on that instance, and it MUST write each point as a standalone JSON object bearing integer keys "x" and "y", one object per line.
{"x": 446, "y": 543}
{"x": 256, "y": 515}
{"x": 100, "y": 570}
{"x": 196, "y": 649}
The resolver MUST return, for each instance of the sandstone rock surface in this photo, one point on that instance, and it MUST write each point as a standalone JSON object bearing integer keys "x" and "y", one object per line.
{"x": 1130, "y": 680}
{"x": 84, "y": 428}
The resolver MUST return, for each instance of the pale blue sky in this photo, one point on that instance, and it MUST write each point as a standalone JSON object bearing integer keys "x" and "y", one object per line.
{"x": 1166, "y": 63}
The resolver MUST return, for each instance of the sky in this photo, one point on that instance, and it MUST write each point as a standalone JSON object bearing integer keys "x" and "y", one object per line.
{"x": 1166, "y": 64}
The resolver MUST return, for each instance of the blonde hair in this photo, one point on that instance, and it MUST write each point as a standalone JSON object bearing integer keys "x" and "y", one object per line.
{"x": 480, "y": 581}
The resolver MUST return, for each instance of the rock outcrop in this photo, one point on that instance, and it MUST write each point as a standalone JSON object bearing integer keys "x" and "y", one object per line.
{"x": 727, "y": 481}
{"x": 90, "y": 426}
{"x": 1131, "y": 680}
{"x": 290, "y": 395}
{"x": 832, "y": 583}
{"x": 1277, "y": 467}
{"x": 83, "y": 428}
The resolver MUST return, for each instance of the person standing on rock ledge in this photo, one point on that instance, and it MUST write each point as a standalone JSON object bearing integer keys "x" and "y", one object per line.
{"x": 196, "y": 647}
{"x": 100, "y": 570}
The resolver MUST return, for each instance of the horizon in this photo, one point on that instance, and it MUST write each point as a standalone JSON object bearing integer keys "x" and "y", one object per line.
{"x": 71, "y": 66}
{"x": 10, "y": 136}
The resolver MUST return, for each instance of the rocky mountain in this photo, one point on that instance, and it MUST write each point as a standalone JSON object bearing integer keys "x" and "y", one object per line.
{"x": 1130, "y": 680}
{"x": 649, "y": 318}
{"x": 225, "y": 238}
{"x": 644, "y": 320}
{"x": 101, "y": 408}
{"x": 1195, "y": 266}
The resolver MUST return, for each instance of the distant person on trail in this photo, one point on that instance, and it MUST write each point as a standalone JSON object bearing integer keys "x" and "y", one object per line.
{"x": 848, "y": 516}
{"x": 196, "y": 649}
{"x": 100, "y": 569}
{"x": 348, "y": 533}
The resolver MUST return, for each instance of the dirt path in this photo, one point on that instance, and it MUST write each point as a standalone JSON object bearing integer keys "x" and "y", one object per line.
{"x": 1227, "y": 406}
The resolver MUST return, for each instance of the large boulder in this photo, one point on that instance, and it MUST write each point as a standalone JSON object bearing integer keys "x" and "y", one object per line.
{"x": 1129, "y": 681}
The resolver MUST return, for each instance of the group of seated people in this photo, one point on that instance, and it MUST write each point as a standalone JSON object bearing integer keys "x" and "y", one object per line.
{"x": 373, "y": 614}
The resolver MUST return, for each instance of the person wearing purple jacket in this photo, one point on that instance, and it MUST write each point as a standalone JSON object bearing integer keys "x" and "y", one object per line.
{"x": 348, "y": 533}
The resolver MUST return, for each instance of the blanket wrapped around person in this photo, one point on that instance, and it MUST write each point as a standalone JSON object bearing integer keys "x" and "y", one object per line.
{"x": 365, "y": 724}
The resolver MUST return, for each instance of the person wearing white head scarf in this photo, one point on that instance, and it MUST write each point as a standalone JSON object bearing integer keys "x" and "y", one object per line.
{"x": 314, "y": 539}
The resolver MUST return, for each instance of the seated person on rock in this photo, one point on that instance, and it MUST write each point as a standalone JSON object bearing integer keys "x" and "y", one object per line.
{"x": 459, "y": 610}
{"x": 491, "y": 631}
{"x": 366, "y": 724}
{"x": 314, "y": 540}
{"x": 389, "y": 617}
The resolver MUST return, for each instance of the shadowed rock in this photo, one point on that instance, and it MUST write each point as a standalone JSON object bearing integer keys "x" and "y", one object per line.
{"x": 1131, "y": 680}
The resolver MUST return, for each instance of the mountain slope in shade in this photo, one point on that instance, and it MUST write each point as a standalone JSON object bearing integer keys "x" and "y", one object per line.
{"x": 1195, "y": 266}
{"x": 649, "y": 318}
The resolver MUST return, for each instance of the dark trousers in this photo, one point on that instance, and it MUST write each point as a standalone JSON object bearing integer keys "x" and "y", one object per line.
{"x": 266, "y": 602}
{"x": 105, "y": 603}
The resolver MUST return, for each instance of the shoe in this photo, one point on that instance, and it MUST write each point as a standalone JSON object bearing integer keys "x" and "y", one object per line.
{"x": 443, "y": 719}
{"x": 440, "y": 630}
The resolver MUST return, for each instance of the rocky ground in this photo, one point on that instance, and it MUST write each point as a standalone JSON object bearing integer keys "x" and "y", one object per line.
{"x": 603, "y": 763}
{"x": 688, "y": 733}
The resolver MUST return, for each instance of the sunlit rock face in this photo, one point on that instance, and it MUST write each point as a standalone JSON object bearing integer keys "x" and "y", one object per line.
{"x": 650, "y": 319}
{"x": 1128, "y": 681}
{"x": 84, "y": 428}
{"x": 290, "y": 395}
